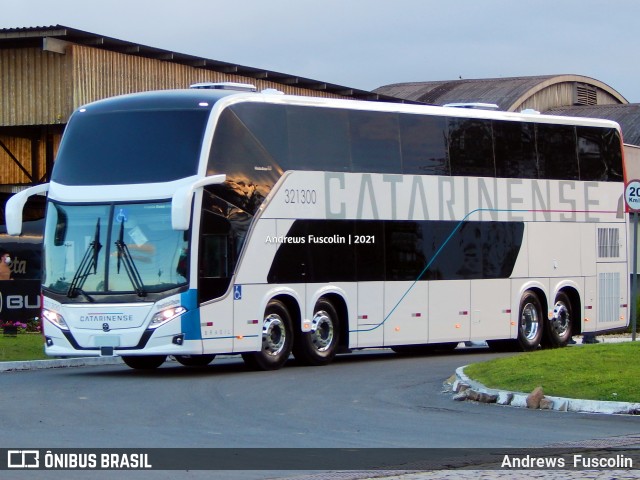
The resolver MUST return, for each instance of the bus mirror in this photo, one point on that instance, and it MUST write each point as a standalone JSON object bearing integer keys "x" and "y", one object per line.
{"x": 181, "y": 201}
{"x": 15, "y": 204}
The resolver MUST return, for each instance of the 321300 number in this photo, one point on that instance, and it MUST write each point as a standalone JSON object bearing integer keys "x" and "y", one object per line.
{"x": 301, "y": 196}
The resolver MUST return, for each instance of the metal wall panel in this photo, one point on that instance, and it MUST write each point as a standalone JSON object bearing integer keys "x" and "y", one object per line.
{"x": 40, "y": 87}
{"x": 21, "y": 149}
{"x": 33, "y": 87}
{"x": 99, "y": 74}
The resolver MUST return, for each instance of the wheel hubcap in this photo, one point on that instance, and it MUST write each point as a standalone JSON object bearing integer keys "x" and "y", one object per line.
{"x": 561, "y": 318}
{"x": 322, "y": 334}
{"x": 274, "y": 335}
{"x": 529, "y": 321}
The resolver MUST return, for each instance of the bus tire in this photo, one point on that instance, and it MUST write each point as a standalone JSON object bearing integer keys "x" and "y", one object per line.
{"x": 530, "y": 322}
{"x": 144, "y": 362}
{"x": 277, "y": 339}
{"x": 559, "y": 328}
{"x": 194, "y": 360}
{"x": 320, "y": 346}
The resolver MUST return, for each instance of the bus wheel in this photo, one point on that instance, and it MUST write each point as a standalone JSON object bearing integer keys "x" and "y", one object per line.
{"x": 146, "y": 362}
{"x": 531, "y": 322}
{"x": 194, "y": 360}
{"x": 320, "y": 346}
{"x": 277, "y": 339}
{"x": 558, "y": 329}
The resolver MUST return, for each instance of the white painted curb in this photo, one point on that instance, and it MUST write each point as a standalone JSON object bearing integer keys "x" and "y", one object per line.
{"x": 519, "y": 399}
{"x": 58, "y": 363}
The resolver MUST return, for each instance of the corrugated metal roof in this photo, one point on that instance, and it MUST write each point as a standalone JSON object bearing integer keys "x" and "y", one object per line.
{"x": 628, "y": 116}
{"x": 501, "y": 91}
{"x": 504, "y": 92}
{"x": 33, "y": 37}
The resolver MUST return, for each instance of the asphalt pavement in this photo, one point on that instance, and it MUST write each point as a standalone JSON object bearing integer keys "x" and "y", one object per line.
{"x": 609, "y": 458}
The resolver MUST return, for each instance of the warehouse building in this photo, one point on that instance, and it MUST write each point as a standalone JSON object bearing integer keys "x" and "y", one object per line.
{"x": 48, "y": 72}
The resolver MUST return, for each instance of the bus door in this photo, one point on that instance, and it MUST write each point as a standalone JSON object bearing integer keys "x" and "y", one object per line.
{"x": 216, "y": 259}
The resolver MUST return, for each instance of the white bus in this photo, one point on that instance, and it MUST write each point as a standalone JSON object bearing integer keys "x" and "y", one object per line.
{"x": 209, "y": 221}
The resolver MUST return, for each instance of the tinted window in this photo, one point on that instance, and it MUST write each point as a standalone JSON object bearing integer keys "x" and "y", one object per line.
{"x": 424, "y": 145}
{"x": 471, "y": 147}
{"x": 130, "y": 147}
{"x": 515, "y": 149}
{"x": 404, "y": 250}
{"x": 557, "y": 157}
{"x": 450, "y": 250}
{"x": 251, "y": 168}
{"x": 399, "y": 250}
{"x": 267, "y": 125}
{"x": 316, "y": 251}
{"x": 318, "y": 139}
{"x": 370, "y": 265}
{"x": 599, "y": 154}
{"x": 375, "y": 142}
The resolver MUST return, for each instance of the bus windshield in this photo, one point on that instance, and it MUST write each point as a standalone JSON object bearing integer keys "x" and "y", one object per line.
{"x": 116, "y": 148}
{"x": 113, "y": 248}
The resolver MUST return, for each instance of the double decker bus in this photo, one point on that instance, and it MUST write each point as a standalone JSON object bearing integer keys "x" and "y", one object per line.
{"x": 205, "y": 221}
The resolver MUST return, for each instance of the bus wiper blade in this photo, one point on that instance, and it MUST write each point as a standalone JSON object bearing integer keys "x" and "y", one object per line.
{"x": 84, "y": 294}
{"x": 124, "y": 257}
{"x": 89, "y": 261}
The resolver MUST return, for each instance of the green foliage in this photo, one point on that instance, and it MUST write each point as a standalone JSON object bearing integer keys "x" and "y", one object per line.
{"x": 24, "y": 346}
{"x": 593, "y": 372}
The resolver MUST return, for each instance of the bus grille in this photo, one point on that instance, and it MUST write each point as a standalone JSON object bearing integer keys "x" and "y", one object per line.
{"x": 609, "y": 297}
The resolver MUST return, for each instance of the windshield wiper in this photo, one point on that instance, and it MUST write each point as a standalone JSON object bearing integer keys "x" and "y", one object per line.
{"x": 89, "y": 261}
{"x": 124, "y": 257}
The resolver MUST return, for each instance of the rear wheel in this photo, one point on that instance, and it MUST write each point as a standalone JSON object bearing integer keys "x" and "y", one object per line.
{"x": 277, "y": 339}
{"x": 558, "y": 329}
{"x": 145, "y": 362}
{"x": 319, "y": 346}
{"x": 530, "y": 322}
{"x": 194, "y": 360}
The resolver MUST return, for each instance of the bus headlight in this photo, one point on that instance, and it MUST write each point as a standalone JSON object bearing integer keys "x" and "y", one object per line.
{"x": 163, "y": 316}
{"x": 55, "y": 318}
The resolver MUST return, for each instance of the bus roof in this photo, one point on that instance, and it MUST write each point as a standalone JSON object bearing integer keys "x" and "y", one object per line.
{"x": 181, "y": 99}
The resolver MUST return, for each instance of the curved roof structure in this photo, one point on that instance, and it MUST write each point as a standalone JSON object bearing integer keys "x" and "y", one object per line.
{"x": 510, "y": 94}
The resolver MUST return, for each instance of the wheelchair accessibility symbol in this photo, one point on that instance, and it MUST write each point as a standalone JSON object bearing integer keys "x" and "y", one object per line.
{"x": 237, "y": 292}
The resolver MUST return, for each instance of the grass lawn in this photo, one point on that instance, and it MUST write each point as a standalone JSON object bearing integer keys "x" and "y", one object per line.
{"x": 593, "y": 372}
{"x": 24, "y": 346}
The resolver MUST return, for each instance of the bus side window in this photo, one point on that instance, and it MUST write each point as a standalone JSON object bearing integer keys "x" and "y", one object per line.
{"x": 216, "y": 256}
{"x": 557, "y": 152}
{"x": 471, "y": 147}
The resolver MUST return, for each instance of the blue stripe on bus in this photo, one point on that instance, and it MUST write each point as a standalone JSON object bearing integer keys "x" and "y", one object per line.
{"x": 190, "y": 321}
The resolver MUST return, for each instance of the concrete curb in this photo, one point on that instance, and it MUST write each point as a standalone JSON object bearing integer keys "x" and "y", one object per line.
{"x": 464, "y": 384}
{"x": 58, "y": 363}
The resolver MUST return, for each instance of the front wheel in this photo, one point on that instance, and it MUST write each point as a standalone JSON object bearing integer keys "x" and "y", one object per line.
{"x": 530, "y": 322}
{"x": 319, "y": 346}
{"x": 277, "y": 339}
{"x": 145, "y": 362}
{"x": 559, "y": 328}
